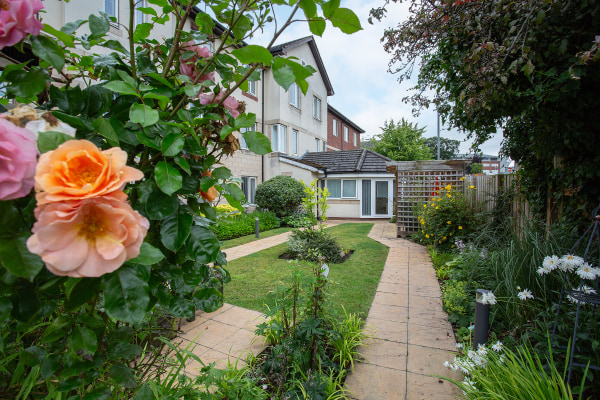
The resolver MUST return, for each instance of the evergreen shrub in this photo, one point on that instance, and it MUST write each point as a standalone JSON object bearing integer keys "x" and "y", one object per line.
{"x": 280, "y": 194}
{"x": 243, "y": 224}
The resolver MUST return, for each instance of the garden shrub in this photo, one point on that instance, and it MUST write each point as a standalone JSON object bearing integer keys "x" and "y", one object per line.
{"x": 298, "y": 220}
{"x": 280, "y": 194}
{"x": 449, "y": 214}
{"x": 457, "y": 300}
{"x": 314, "y": 245}
{"x": 243, "y": 224}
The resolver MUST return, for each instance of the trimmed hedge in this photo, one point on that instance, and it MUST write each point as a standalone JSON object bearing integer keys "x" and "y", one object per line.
{"x": 280, "y": 194}
{"x": 243, "y": 224}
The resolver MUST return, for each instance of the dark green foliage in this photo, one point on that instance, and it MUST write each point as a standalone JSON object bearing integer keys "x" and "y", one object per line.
{"x": 448, "y": 147}
{"x": 298, "y": 220}
{"x": 280, "y": 194}
{"x": 400, "y": 141}
{"x": 314, "y": 245}
{"x": 244, "y": 224}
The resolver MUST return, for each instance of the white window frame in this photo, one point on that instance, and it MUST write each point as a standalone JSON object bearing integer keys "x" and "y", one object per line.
{"x": 324, "y": 145}
{"x": 112, "y": 13}
{"x": 294, "y": 143}
{"x": 317, "y": 145}
{"x": 345, "y": 134}
{"x": 317, "y": 108}
{"x": 278, "y": 138}
{"x": 294, "y": 97}
{"x": 355, "y": 138}
{"x": 342, "y": 182}
{"x": 243, "y": 144}
{"x": 138, "y": 16}
{"x": 335, "y": 127}
{"x": 249, "y": 188}
{"x": 251, "y": 88}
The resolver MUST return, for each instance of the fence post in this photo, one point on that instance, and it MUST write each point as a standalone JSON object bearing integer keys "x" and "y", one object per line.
{"x": 482, "y": 319}
{"x": 256, "y": 230}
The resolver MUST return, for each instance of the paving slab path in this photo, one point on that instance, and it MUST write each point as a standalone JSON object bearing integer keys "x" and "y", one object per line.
{"x": 411, "y": 335}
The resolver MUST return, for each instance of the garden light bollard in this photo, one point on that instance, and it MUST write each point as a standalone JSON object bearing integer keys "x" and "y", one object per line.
{"x": 482, "y": 319}
{"x": 256, "y": 230}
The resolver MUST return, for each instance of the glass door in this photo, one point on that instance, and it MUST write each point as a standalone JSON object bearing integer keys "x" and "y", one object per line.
{"x": 366, "y": 198}
{"x": 381, "y": 198}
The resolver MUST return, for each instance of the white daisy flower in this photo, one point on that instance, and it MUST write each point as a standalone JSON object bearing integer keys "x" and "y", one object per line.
{"x": 488, "y": 298}
{"x": 543, "y": 270}
{"x": 551, "y": 262}
{"x": 458, "y": 345}
{"x": 481, "y": 350}
{"x": 588, "y": 290}
{"x": 497, "y": 346}
{"x": 585, "y": 271}
{"x": 569, "y": 262}
{"x": 525, "y": 294}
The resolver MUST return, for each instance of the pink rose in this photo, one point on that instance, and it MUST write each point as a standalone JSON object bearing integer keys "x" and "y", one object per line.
{"x": 18, "y": 154}
{"x": 230, "y": 102}
{"x": 87, "y": 238}
{"x": 17, "y": 19}
{"x": 190, "y": 68}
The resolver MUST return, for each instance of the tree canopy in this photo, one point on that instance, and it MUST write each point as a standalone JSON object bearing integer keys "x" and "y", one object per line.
{"x": 448, "y": 147}
{"x": 400, "y": 141}
{"x": 529, "y": 67}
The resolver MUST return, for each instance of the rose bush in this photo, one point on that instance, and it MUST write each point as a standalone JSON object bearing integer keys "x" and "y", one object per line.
{"x": 93, "y": 268}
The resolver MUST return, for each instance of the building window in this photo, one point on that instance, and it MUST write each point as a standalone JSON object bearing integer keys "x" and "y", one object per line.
{"x": 349, "y": 189}
{"x": 249, "y": 188}
{"x": 335, "y": 133}
{"x": 324, "y": 145}
{"x": 252, "y": 88}
{"x": 111, "y": 7}
{"x": 317, "y": 148}
{"x": 138, "y": 17}
{"x": 345, "y": 134}
{"x": 294, "y": 95}
{"x": 355, "y": 139}
{"x": 294, "y": 142}
{"x": 316, "y": 108}
{"x": 341, "y": 188}
{"x": 243, "y": 144}
{"x": 278, "y": 141}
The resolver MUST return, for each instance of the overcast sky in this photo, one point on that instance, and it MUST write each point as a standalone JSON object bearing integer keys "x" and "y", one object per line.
{"x": 357, "y": 67}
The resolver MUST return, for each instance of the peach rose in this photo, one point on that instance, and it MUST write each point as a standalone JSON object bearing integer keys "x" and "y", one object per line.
{"x": 87, "y": 238}
{"x": 18, "y": 154}
{"x": 78, "y": 169}
{"x": 17, "y": 19}
{"x": 211, "y": 194}
{"x": 230, "y": 102}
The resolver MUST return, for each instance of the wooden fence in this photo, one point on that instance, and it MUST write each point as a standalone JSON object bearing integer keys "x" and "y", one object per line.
{"x": 489, "y": 189}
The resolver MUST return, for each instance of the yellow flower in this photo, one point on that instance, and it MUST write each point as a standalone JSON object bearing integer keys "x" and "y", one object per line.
{"x": 444, "y": 238}
{"x": 427, "y": 236}
{"x": 449, "y": 187}
{"x": 453, "y": 245}
{"x": 439, "y": 241}
{"x": 450, "y": 233}
{"x": 449, "y": 222}
{"x": 449, "y": 195}
{"x": 471, "y": 187}
{"x": 462, "y": 179}
{"x": 460, "y": 227}
{"x": 422, "y": 231}
{"x": 425, "y": 205}
{"x": 437, "y": 207}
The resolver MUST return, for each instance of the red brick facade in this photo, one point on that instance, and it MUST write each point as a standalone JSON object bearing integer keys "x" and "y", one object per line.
{"x": 340, "y": 141}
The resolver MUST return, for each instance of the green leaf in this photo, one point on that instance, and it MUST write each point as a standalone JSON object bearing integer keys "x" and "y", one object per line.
{"x": 192, "y": 90}
{"x": 283, "y": 75}
{"x": 345, "y": 20}
{"x": 143, "y": 115}
{"x": 50, "y": 140}
{"x": 27, "y": 83}
{"x": 126, "y": 294}
{"x": 48, "y": 50}
{"x": 122, "y": 88}
{"x": 221, "y": 173}
{"x": 253, "y": 54}
{"x": 309, "y": 7}
{"x": 329, "y": 7}
{"x": 257, "y": 142}
{"x": 317, "y": 25}
{"x": 175, "y": 230}
{"x": 116, "y": 46}
{"x": 202, "y": 245}
{"x": 226, "y": 131}
{"x": 17, "y": 259}
{"x": 235, "y": 191}
{"x": 70, "y": 27}
{"x": 205, "y": 23}
{"x": 75, "y": 122}
{"x": 6, "y": 307}
{"x": 58, "y": 329}
{"x": 106, "y": 129}
{"x": 149, "y": 255}
{"x": 208, "y": 299}
{"x": 183, "y": 164}
{"x": 79, "y": 291}
{"x": 122, "y": 376}
{"x": 158, "y": 77}
{"x": 147, "y": 10}
{"x": 160, "y": 206}
{"x": 245, "y": 121}
{"x": 167, "y": 177}
{"x": 142, "y": 31}
{"x": 98, "y": 26}
{"x": 144, "y": 393}
{"x": 172, "y": 144}
{"x": 83, "y": 341}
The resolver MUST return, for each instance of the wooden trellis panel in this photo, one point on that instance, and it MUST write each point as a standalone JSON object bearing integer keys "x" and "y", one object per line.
{"x": 416, "y": 182}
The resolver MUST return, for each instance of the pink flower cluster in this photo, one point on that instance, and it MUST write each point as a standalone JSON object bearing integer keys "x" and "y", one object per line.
{"x": 85, "y": 227}
{"x": 18, "y": 153}
{"x": 191, "y": 68}
{"x": 17, "y": 19}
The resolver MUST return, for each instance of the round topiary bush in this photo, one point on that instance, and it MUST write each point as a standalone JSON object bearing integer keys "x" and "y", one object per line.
{"x": 280, "y": 194}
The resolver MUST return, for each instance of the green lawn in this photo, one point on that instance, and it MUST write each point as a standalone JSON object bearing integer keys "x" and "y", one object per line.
{"x": 226, "y": 244}
{"x": 353, "y": 283}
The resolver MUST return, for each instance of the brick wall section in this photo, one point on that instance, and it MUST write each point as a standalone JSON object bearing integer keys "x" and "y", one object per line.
{"x": 336, "y": 143}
